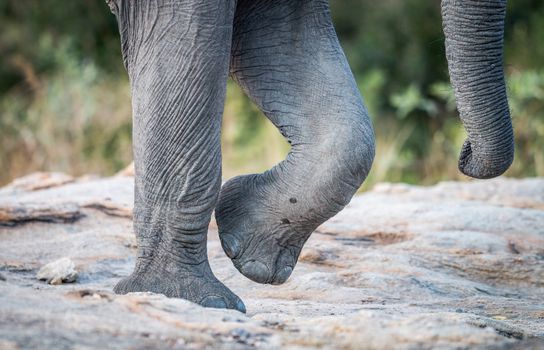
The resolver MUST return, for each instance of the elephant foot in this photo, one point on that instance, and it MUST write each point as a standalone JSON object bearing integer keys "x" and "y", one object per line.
{"x": 195, "y": 283}
{"x": 262, "y": 236}
{"x": 306, "y": 89}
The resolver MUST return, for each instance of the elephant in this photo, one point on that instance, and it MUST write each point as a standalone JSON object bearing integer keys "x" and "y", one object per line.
{"x": 286, "y": 57}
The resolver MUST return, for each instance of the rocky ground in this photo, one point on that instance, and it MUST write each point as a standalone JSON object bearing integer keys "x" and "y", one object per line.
{"x": 456, "y": 265}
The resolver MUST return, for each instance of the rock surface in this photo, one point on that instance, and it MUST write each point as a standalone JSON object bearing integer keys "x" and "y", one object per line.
{"x": 456, "y": 265}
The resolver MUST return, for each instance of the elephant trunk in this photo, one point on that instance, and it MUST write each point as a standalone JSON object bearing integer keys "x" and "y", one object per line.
{"x": 474, "y": 32}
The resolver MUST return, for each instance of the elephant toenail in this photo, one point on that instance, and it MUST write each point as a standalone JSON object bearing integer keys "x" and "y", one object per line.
{"x": 255, "y": 271}
{"x": 282, "y": 275}
{"x": 240, "y": 306}
{"x": 231, "y": 247}
{"x": 214, "y": 301}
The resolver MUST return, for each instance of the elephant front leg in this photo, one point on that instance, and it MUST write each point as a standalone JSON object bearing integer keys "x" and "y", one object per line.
{"x": 287, "y": 58}
{"x": 176, "y": 54}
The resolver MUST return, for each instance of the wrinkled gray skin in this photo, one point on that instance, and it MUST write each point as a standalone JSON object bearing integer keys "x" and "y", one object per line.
{"x": 285, "y": 55}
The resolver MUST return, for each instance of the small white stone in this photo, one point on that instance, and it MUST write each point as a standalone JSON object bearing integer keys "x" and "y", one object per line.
{"x": 58, "y": 272}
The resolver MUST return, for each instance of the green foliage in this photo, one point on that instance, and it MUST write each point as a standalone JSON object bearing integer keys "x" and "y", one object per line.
{"x": 412, "y": 100}
{"x": 72, "y": 121}
{"x": 65, "y": 102}
{"x": 526, "y": 95}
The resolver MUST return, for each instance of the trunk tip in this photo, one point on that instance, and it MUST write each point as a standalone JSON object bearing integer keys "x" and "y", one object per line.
{"x": 484, "y": 165}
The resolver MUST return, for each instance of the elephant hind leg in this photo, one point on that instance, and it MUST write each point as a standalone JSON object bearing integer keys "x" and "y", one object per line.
{"x": 176, "y": 53}
{"x": 287, "y": 58}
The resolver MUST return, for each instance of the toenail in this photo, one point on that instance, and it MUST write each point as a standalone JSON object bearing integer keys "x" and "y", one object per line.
{"x": 256, "y": 271}
{"x": 240, "y": 306}
{"x": 214, "y": 301}
{"x": 231, "y": 247}
{"x": 282, "y": 275}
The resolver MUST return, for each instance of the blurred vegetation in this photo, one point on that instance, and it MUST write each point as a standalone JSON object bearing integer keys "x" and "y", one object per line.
{"x": 65, "y": 100}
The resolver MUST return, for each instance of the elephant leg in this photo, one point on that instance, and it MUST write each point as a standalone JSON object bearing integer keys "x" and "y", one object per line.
{"x": 286, "y": 57}
{"x": 177, "y": 56}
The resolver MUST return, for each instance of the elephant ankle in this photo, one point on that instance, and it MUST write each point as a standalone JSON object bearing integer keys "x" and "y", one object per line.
{"x": 172, "y": 261}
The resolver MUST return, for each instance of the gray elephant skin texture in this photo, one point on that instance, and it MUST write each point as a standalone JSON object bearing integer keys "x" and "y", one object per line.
{"x": 286, "y": 57}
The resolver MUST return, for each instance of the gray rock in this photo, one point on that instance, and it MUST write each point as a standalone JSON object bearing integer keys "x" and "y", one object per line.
{"x": 452, "y": 266}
